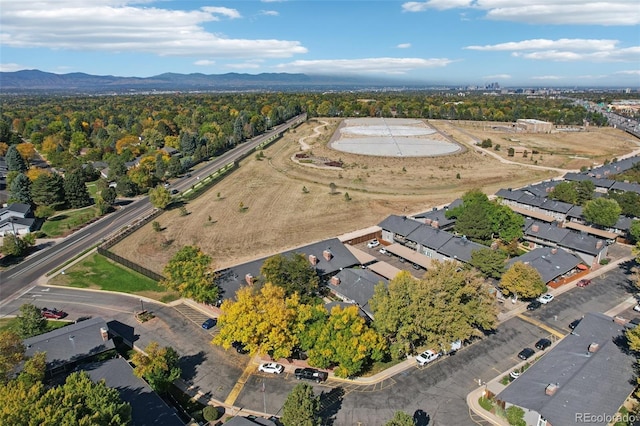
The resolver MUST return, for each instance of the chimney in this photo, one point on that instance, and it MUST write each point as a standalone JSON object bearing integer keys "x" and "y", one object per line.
{"x": 435, "y": 224}
{"x": 104, "y": 333}
{"x": 535, "y": 228}
{"x": 335, "y": 280}
{"x": 551, "y": 389}
{"x": 249, "y": 279}
{"x": 554, "y": 250}
{"x": 428, "y": 221}
{"x": 599, "y": 244}
{"x": 313, "y": 259}
{"x": 593, "y": 348}
{"x": 327, "y": 255}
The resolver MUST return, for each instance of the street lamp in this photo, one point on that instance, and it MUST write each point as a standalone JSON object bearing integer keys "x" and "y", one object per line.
{"x": 141, "y": 304}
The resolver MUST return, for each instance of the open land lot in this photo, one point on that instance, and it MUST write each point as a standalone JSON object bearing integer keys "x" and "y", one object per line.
{"x": 277, "y": 214}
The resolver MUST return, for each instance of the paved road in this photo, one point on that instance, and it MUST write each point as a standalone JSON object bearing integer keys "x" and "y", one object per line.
{"x": 20, "y": 277}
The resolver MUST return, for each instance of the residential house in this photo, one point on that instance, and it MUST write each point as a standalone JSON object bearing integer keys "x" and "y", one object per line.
{"x": 437, "y": 217}
{"x": 171, "y": 152}
{"x": 67, "y": 346}
{"x": 527, "y": 204}
{"x": 16, "y": 218}
{"x": 587, "y": 247}
{"x": 588, "y": 373}
{"x": 355, "y": 285}
{"x": 147, "y": 408}
{"x": 460, "y": 248}
{"x": 550, "y": 262}
{"x": 327, "y": 257}
{"x": 396, "y": 228}
{"x": 427, "y": 240}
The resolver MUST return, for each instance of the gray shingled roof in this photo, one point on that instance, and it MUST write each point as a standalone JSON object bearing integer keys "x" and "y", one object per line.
{"x": 555, "y": 206}
{"x": 460, "y": 248}
{"x": 626, "y": 187}
{"x": 542, "y": 189}
{"x": 564, "y": 237}
{"x": 427, "y": 236}
{"x": 71, "y": 343}
{"x": 357, "y": 284}
{"x": 546, "y": 231}
{"x": 595, "y": 383}
{"x": 549, "y": 262}
{"x": 575, "y": 211}
{"x": 510, "y": 194}
{"x": 440, "y": 214}
{"x": 401, "y": 225}
{"x": 147, "y": 408}
{"x": 231, "y": 279}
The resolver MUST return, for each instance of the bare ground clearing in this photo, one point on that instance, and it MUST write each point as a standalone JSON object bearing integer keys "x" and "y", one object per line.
{"x": 278, "y": 215}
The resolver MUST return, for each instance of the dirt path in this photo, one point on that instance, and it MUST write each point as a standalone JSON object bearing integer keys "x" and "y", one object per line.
{"x": 316, "y": 133}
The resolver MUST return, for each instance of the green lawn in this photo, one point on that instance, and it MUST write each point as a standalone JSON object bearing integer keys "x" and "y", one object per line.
{"x": 92, "y": 187}
{"x": 12, "y": 324}
{"x": 98, "y": 272}
{"x": 66, "y": 221}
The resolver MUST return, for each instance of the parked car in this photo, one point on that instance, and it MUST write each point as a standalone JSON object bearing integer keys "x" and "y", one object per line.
{"x": 632, "y": 324}
{"x": 209, "y": 323}
{"x": 543, "y": 344}
{"x": 526, "y": 353}
{"x": 427, "y": 357}
{"x": 416, "y": 266}
{"x": 533, "y": 305}
{"x": 573, "y": 324}
{"x": 545, "y": 298}
{"x": 514, "y": 374}
{"x": 583, "y": 283}
{"x": 373, "y": 243}
{"x": 311, "y": 374}
{"x": 271, "y": 367}
{"x": 174, "y": 191}
{"x": 53, "y": 313}
{"x": 384, "y": 251}
{"x": 637, "y": 308}
{"x": 239, "y": 347}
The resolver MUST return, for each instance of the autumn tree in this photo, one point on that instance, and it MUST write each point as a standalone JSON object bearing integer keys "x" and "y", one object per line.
{"x": 265, "y": 321}
{"x": 27, "y": 152}
{"x": 602, "y": 211}
{"x": 160, "y": 197}
{"x": 11, "y": 353}
{"x": 301, "y": 407}
{"x": 34, "y": 369}
{"x": 293, "y": 273}
{"x": 30, "y": 321}
{"x": 490, "y": 262}
{"x": 189, "y": 272}
{"x": 522, "y": 280}
{"x": 158, "y": 366}
{"x": 346, "y": 341}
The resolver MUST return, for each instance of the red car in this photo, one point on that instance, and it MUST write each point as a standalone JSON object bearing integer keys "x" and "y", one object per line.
{"x": 53, "y": 313}
{"x": 583, "y": 283}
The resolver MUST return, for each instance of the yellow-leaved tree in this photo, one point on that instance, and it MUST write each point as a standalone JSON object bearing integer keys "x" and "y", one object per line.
{"x": 264, "y": 321}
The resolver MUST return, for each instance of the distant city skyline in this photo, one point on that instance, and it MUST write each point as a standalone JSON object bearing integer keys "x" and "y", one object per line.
{"x": 542, "y": 43}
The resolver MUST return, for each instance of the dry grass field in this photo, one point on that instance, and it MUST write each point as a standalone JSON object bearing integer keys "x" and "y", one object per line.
{"x": 278, "y": 215}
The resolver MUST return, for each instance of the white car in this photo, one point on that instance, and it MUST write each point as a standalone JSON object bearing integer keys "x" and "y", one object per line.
{"x": 637, "y": 308}
{"x": 271, "y": 367}
{"x": 383, "y": 251}
{"x": 545, "y": 298}
{"x": 373, "y": 243}
{"x": 427, "y": 356}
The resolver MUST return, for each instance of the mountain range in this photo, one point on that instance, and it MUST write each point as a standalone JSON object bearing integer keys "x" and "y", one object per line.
{"x": 40, "y": 81}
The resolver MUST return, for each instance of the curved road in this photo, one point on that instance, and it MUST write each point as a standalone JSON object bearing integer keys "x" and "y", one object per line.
{"x": 20, "y": 277}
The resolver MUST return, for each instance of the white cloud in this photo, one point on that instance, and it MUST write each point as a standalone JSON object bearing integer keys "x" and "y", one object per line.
{"x": 11, "y": 67}
{"x": 243, "y": 66}
{"x": 497, "y": 77}
{"x": 115, "y": 26}
{"x": 367, "y": 65}
{"x": 629, "y": 72}
{"x": 572, "y": 12}
{"x": 204, "y": 63}
{"x": 566, "y": 50}
{"x": 547, "y": 77}
{"x": 269, "y": 12}
{"x": 404, "y": 45}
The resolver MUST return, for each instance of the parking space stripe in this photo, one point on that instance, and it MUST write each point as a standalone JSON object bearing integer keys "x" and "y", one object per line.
{"x": 541, "y": 325}
{"x": 237, "y": 388}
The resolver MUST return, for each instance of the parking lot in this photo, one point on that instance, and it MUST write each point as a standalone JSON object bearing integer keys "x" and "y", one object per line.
{"x": 391, "y": 259}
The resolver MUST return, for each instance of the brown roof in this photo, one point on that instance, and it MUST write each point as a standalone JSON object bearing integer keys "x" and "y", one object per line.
{"x": 362, "y": 256}
{"x": 410, "y": 255}
{"x": 530, "y": 213}
{"x": 384, "y": 269}
{"x": 589, "y": 230}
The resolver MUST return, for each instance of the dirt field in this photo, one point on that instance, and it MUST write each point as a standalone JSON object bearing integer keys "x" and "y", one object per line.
{"x": 278, "y": 214}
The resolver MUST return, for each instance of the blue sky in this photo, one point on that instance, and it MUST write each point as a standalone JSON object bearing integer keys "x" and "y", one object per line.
{"x": 470, "y": 42}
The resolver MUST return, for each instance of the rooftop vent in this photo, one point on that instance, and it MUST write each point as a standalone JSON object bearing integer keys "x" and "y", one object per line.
{"x": 551, "y": 389}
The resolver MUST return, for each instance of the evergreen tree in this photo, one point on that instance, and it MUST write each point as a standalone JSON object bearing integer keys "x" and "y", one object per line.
{"x": 14, "y": 160}
{"x": 108, "y": 195}
{"x": 20, "y": 189}
{"x": 48, "y": 190}
{"x": 75, "y": 190}
{"x": 175, "y": 167}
